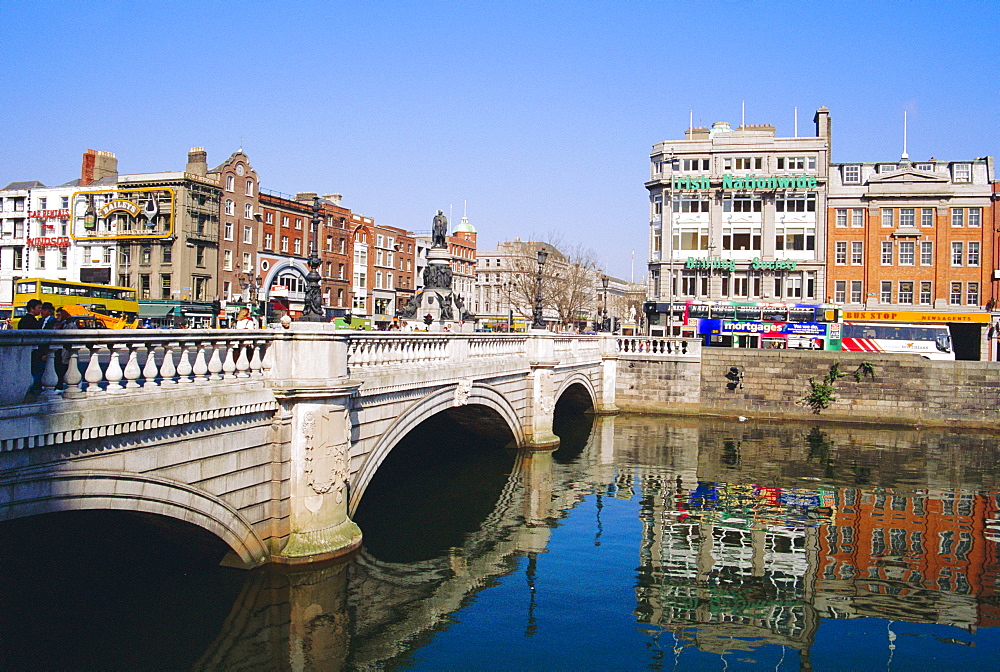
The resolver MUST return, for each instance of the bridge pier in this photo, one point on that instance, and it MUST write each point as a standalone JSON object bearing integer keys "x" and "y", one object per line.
{"x": 541, "y": 395}
{"x": 313, "y": 428}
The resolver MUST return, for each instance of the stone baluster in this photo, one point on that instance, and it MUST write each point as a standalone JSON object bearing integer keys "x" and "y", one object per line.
{"x": 267, "y": 361}
{"x": 113, "y": 374}
{"x": 73, "y": 378}
{"x": 184, "y": 368}
{"x": 256, "y": 363}
{"x": 229, "y": 358}
{"x": 149, "y": 369}
{"x": 132, "y": 371}
{"x": 200, "y": 369}
{"x": 94, "y": 375}
{"x": 242, "y": 362}
{"x": 50, "y": 379}
{"x": 215, "y": 362}
{"x": 167, "y": 369}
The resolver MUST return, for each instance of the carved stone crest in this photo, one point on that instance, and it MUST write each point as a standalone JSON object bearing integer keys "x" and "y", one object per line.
{"x": 462, "y": 392}
{"x": 326, "y": 451}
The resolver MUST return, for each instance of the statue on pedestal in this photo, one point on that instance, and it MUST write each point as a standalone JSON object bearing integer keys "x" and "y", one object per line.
{"x": 439, "y": 230}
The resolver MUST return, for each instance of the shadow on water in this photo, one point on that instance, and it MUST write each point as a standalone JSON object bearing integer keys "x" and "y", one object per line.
{"x": 436, "y": 486}
{"x": 572, "y": 422}
{"x": 109, "y": 590}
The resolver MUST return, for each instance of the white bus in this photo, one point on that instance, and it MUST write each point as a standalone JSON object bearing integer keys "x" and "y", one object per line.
{"x": 932, "y": 341}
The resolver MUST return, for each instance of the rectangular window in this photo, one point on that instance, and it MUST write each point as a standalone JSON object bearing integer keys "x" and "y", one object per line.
{"x": 284, "y": 243}
{"x": 955, "y": 296}
{"x": 691, "y": 203}
{"x": 907, "y": 217}
{"x": 247, "y": 264}
{"x": 268, "y": 241}
{"x": 841, "y": 253}
{"x": 144, "y": 286}
{"x": 842, "y": 218}
{"x": 957, "y": 217}
{"x": 852, "y": 174}
{"x": 298, "y": 223}
{"x": 887, "y": 253}
{"x": 740, "y": 238}
{"x": 795, "y": 203}
{"x": 691, "y": 239}
{"x": 907, "y": 251}
{"x": 248, "y": 234}
{"x": 887, "y": 217}
{"x": 972, "y": 295}
{"x": 165, "y": 286}
{"x": 926, "y": 253}
{"x": 284, "y": 221}
{"x": 794, "y": 239}
{"x": 857, "y": 253}
{"x": 927, "y": 217}
{"x": 63, "y": 257}
{"x": 269, "y": 218}
{"x": 297, "y": 245}
{"x": 227, "y": 260}
{"x": 329, "y": 243}
{"x": 885, "y": 295}
{"x": 956, "y": 254}
{"x": 228, "y": 230}
{"x": 925, "y": 293}
{"x": 18, "y": 264}
{"x": 856, "y": 293}
{"x": 972, "y": 257}
{"x": 887, "y": 167}
{"x": 40, "y": 259}
{"x": 145, "y": 255}
{"x": 961, "y": 172}
{"x": 840, "y": 291}
{"x": 906, "y": 292}
{"x": 858, "y": 218}
{"x": 975, "y": 216}
{"x": 199, "y": 256}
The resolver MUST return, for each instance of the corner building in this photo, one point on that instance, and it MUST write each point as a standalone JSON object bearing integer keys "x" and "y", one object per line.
{"x": 738, "y": 215}
{"x": 914, "y": 242}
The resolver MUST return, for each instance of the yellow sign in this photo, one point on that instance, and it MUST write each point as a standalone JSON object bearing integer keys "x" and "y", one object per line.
{"x": 900, "y": 316}
{"x": 119, "y": 204}
{"x": 123, "y": 214}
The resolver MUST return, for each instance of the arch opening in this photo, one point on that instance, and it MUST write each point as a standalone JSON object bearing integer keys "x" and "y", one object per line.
{"x": 114, "y": 589}
{"x": 572, "y": 422}
{"x": 437, "y": 485}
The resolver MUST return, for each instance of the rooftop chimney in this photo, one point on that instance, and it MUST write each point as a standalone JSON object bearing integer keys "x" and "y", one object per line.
{"x": 334, "y": 198}
{"x": 197, "y": 162}
{"x": 822, "y": 120}
{"x": 306, "y": 196}
{"x": 97, "y": 164}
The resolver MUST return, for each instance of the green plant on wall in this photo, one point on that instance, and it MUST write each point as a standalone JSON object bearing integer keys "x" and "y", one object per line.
{"x": 865, "y": 368}
{"x": 821, "y": 394}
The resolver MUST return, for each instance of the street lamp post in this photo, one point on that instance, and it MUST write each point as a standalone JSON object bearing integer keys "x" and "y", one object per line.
{"x": 605, "y": 280}
{"x": 537, "y": 321}
{"x": 250, "y": 283}
{"x": 313, "y": 310}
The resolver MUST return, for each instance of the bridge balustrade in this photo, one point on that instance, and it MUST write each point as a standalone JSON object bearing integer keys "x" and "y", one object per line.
{"x": 657, "y": 347}
{"x": 89, "y": 363}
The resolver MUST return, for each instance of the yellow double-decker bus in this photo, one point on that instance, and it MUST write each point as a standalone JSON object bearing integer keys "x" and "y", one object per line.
{"x": 115, "y": 307}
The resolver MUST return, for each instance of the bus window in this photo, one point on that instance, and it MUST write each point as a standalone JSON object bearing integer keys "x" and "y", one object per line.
{"x": 802, "y": 314}
{"x": 774, "y": 314}
{"x": 724, "y": 312}
{"x": 748, "y": 313}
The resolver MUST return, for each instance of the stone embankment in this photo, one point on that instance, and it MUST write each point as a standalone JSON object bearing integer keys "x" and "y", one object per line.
{"x": 905, "y": 389}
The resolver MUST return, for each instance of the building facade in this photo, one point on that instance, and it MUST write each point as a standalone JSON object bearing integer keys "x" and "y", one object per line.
{"x": 241, "y": 223}
{"x": 737, "y": 214}
{"x": 914, "y": 241}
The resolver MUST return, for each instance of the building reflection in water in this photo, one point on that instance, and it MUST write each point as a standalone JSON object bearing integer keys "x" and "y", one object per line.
{"x": 751, "y": 535}
{"x": 734, "y": 566}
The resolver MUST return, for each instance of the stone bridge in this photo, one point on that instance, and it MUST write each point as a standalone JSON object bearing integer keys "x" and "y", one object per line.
{"x": 268, "y": 439}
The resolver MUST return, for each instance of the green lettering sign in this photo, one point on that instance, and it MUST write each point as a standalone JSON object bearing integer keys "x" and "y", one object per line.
{"x": 744, "y": 182}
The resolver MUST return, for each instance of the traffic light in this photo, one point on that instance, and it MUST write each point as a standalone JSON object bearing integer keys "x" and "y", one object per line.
{"x": 428, "y": 318}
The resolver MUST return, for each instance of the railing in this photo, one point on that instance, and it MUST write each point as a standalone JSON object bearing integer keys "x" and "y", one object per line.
{"x": 87, "y": 363}
{"x": 659, "y": 347}
{"x": 367, "y": 351}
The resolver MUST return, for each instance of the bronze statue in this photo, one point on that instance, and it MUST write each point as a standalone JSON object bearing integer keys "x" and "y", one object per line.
{"x": 439, "y": 231}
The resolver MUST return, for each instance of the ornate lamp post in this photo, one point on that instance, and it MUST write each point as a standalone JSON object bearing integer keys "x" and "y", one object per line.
{"x": 537, "y": 321}
{"x": 313, "y": 311}
{"x": 605, "y": 280}
{"x": 250, "y": 283}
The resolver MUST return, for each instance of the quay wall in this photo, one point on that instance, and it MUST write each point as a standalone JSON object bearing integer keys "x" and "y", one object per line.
{"x": 906, "y": 389}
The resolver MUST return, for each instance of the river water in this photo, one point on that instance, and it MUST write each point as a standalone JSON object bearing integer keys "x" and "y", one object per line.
{"x": 641, "y": 543}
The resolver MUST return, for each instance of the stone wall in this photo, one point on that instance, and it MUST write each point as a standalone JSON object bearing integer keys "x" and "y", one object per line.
{"x": 906, "y": 389}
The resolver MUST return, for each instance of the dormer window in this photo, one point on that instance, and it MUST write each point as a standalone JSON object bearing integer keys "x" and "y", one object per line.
{"x": 888, "y": 167}
{"x": 852, "y": 174}
{"x": 961, "y": 172}
{"x": 929, "y": 167}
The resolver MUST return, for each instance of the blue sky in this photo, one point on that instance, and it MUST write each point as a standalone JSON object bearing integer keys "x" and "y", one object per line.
{"x": 540, "y": 114}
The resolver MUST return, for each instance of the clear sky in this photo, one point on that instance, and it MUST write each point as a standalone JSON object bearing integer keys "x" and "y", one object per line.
{"x": 540, "y": 114}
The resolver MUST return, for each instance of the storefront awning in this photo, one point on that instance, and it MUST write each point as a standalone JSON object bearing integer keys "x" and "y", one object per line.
{"x": 155, "y": 310}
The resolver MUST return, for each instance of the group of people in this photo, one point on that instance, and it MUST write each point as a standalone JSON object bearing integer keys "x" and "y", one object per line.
{"x": 44, "y": 316}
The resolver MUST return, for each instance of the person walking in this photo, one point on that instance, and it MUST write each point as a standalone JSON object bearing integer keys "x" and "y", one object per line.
{"x": 244, "y": 320}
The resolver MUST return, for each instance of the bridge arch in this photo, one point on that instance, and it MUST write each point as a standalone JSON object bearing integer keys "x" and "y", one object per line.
{"x": 427, "y": 407}
{"x": 132, "y": 492}
{"x": 581, "y": 380}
